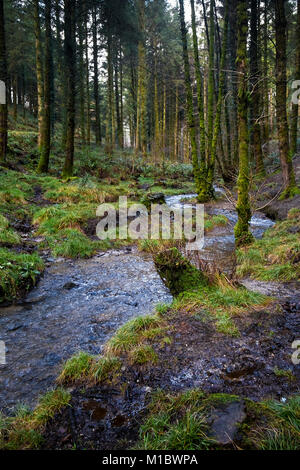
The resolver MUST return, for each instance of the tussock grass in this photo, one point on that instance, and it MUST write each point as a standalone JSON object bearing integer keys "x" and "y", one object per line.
{"x": 221, "y": 302}
{"x": 7, "y": 236}
{"x": 276, "y": 257}
{"x": 175, "y": 423}
{"x": 132, "y": 334}
{"x": 24, "y": 431}
{"x": 143, "y": 354}
{"x": 18, "y": 272}
{"x": 182, "y": 422}
{"x": 212, "y": 221}
{"x": 84, "y": 368}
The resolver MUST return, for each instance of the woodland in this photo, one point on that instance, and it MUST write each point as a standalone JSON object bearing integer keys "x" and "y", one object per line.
{"x": 143, "y": 344}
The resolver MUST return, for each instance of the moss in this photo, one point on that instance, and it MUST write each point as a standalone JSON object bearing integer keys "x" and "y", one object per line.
{"x": 178, "y": 273}
{"x": 287, "y": 374}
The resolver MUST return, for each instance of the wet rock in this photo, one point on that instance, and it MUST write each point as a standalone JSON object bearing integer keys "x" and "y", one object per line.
{"x": 32, "y": 300}
{"x": 70, "y": 285}
{"x": 14, "y": 326}
{"x": 225, "y": 422}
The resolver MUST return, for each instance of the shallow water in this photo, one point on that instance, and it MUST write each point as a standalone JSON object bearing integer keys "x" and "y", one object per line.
{"x": 219, "y": 244}
{"x": 77, "y": 306}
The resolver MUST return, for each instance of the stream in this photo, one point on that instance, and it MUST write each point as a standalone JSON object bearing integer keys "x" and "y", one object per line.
{"x": 79, "y": 304}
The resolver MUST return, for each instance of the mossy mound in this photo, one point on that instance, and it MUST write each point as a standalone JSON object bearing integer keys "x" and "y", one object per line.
{"x": 178, "y": 273}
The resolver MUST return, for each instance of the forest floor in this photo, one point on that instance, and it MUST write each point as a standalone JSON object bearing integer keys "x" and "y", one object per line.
{"x": 213, "y": 370}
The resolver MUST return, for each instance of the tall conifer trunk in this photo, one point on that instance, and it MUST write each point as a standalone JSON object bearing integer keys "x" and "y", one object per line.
{"x": 70, "y": 65}
{"x": 96, "y": 79}
{"x": 189, "y": 99}
{"x": 289, "y": 180}
{"x": 3, "y": 78}
{"x": 45, "y": 142}
{"x": 39, "y": 68}
{"x": 295, "y": 106}
{"x": 243, "y": 235}
{"x": 256, "y": 146}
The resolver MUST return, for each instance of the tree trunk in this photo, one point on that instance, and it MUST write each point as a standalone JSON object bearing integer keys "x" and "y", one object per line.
{"x": 81, "y": 74}
{"x": 3, "y": 91}
{"x": 110, "y": 120}
{"x": 256, "y": 148}
{"x": 242, "y": 233}
{"x": 295, "y": 106}
{"x": 289, "y": 180}
{"x": 96, "y": 82}
{"x": 141, "y": 126}
{"x": 70, "y": 65}
{"x": 39, "y": 68}
{"x": 189, "y": 99}
{"x": 88, "y": 99}
{"x": 46, "y": 115}
{"x": 266, "y": 128}
{"x": 203, "y": 152}
{"x": 217, "y": 123}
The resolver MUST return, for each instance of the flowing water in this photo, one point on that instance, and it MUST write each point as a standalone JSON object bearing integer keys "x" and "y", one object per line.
{"x": 219, "y": 244}
{"x": 78, "y": 306}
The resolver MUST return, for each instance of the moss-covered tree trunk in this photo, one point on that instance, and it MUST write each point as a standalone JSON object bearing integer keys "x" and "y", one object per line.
{"x": 3, "y": 92}
{"x": 289, "y": 180}
{"x": 295, "y": 106}
{"x": 255, "y": 78}
{"x": 218, "y": 115}
{"x": 45, "y": 142}
{"x": 203, "y": 197}
{"x": 232, "y": 40}
{"x": 189, "y": 99}
{"x": 70, "y": 66}
{"x": 39, "y": 68}
{"x": 243, "y": 235}
{"x": 266, "y": 126}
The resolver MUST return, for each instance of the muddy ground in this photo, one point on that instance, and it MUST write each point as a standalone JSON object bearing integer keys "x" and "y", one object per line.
{"x": 198, "y": 357}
